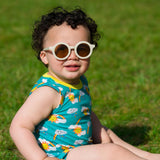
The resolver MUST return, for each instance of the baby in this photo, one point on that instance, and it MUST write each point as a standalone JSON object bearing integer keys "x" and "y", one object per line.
{"x": 56, "y": 121}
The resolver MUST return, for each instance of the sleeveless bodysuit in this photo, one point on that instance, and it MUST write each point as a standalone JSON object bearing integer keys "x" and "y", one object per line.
{"x": 69, "y": 124}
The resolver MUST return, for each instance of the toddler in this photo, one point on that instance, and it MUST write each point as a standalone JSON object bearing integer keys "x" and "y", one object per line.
{"x": 56, "y": 121}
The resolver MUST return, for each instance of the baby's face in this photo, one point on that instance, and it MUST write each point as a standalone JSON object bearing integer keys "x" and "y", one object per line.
{"x": 72, "y": 68}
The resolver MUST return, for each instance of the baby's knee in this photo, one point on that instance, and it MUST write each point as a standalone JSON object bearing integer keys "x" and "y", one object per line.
{"x": 94, "y": 152}
{"x": 112, "y": 151}
{"x": 111, "y": 147}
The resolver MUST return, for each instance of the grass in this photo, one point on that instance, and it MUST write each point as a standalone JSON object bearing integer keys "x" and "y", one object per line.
{"x": 125, "y": 67}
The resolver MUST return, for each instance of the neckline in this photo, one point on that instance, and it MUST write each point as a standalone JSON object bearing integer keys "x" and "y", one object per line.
{"x": 77, "y": 86}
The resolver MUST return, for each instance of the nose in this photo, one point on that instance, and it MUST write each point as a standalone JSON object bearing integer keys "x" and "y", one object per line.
{"x": 72, "y": 55}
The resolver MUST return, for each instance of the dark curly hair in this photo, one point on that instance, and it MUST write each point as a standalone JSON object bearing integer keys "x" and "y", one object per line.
{"x": 57, "y": 17}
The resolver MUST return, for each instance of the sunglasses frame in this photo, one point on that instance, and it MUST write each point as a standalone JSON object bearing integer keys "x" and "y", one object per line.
{"x": 52, "y": 48}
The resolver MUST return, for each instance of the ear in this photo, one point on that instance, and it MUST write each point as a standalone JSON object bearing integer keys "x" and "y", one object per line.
{"x": 43, "y": 56}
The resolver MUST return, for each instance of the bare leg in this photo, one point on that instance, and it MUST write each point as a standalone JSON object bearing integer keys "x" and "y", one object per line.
{"x": 116, "y": 140}
{"x": 102, "y": 135}
{"x": 107, "y": 151}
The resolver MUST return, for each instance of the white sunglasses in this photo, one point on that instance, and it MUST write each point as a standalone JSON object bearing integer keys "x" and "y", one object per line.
{"x": 61, "y": 51}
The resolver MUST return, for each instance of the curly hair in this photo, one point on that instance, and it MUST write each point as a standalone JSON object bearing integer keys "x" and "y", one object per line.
{"x": 57, "y": 17}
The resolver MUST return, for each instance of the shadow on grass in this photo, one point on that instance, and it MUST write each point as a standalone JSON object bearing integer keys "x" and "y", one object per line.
{"x": 134, "y": 135}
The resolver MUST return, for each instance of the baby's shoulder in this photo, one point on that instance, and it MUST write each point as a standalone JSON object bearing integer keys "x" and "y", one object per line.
{"x": 48, "y": 95}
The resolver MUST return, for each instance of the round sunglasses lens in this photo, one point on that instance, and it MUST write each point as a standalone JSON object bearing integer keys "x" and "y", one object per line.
{"x": 83, "y": 50}
{"x": 61, "y": 51}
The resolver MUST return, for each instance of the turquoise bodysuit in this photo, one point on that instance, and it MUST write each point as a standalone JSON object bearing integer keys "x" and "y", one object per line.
{"x": 69, "y": 124}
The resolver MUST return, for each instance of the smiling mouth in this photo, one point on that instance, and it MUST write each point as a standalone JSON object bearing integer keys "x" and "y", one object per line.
{"x": 72, "y": 67}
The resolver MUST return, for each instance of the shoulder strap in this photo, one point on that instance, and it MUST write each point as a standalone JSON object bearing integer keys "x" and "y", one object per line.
{"x": 45, "y": 81}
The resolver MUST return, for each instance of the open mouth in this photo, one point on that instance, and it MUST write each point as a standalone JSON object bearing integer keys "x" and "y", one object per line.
{"x": 72, "y": 67}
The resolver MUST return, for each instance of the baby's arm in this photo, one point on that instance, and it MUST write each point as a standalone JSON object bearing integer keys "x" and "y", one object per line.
{"x": 36, "y": 108}
{"x": 99, "y": 132}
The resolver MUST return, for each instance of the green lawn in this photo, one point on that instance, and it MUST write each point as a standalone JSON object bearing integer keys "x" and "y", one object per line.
{"x": 124, "y": 73}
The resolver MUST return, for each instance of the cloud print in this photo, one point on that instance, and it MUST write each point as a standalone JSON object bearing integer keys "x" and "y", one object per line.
{"x": 78, "y": 142}
{"x": 60, "y": 88}
{"x": 61, "y": 121}
{"x": 85, "y": 110}
{"x": 82, "y": 133}
{"x": 48, "y": 145}
{"x": 82, "y": 93}
{"x": 44, "y": 80}
{"x": 42, "y": 128}
{"x": 73, "y": 126}
{"x": 72, "y": 110}
{"x": 60, "y": 132}
{"x": 72, "y": 98}
{"x": 77, "y": 126}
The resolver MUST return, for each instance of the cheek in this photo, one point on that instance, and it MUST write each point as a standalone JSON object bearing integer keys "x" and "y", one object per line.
{"x": 86, "y": 64}
{"x": 54, "y": 64}
{"x": 53, "y": 61}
